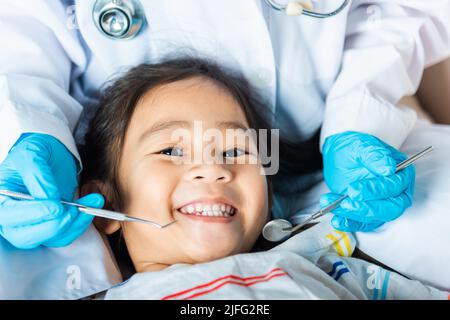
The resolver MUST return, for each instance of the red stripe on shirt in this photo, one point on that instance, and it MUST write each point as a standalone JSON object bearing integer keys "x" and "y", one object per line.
{"x": 231, "y": 276}
{"x": 237, "y": 283}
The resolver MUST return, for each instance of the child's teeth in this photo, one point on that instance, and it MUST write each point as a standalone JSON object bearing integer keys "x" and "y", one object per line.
{"x": 210, "y": 210}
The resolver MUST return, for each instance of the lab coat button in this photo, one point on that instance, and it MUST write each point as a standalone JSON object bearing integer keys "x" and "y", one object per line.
{"x": 262, "y": 77}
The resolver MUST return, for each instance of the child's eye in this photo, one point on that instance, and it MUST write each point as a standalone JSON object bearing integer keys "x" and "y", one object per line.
{"x": 172, "y": 152}
{"x": 235, "y": 152}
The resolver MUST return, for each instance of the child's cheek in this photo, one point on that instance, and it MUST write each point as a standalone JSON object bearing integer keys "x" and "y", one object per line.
{"x": 254, "y": 191}
{"x": 151, "y": 189}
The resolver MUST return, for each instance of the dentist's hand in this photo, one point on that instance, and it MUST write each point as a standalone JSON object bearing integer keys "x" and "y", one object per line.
{"x": 41, "y": 166}
{"x": 363, "y": 167}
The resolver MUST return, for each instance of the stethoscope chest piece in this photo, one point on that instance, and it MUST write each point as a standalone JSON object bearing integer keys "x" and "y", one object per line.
{"x": 119, "y": 19}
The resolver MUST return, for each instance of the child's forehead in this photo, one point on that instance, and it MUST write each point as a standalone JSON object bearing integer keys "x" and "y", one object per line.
{"x": 171, "y": 125}
{"x": 194, "y": 99}
{"x": 196, "y": 85}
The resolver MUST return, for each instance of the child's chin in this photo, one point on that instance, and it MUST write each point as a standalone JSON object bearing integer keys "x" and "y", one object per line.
{"x": 210, "y": 252}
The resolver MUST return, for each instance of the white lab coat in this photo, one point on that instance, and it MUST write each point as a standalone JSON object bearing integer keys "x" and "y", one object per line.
{"x": 346, "y": 72}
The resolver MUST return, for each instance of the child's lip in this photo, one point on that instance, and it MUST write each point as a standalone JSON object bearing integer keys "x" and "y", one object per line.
{"x": 207, "y": 218}
{"x": 217, "y": 207}
{"x": 211, "y": 200}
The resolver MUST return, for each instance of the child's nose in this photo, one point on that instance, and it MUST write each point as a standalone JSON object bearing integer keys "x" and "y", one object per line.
{"x": 209, "y": 173}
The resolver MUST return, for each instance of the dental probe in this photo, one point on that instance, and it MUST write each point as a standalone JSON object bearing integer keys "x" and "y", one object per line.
{"x": 92, "y": 211}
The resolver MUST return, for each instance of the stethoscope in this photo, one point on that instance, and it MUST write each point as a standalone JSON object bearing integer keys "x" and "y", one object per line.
{"x": 123, "y": 19}
{"x": 296, "y": 8}
{"x": 119, "y": 19}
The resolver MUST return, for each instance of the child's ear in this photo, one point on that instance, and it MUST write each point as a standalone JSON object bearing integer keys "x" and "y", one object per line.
{"x": 106, "y": 226}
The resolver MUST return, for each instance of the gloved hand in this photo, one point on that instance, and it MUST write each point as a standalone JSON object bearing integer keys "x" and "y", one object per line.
{"x": 363, "y": 167}
{"x": 41, "y": 166}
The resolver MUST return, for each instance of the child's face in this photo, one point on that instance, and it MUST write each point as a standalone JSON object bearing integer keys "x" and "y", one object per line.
{"x": 156, "y": 186}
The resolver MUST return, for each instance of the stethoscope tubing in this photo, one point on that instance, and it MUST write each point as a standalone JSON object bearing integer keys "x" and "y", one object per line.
{"x": 310, "y": 13}
{"x": 136, "y": 17}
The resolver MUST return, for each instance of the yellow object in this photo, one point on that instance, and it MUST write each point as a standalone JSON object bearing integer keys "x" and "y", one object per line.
{"x": 341, "y": 241}
{"x": 296, "y": 8}
{"x": 307, "y": 4}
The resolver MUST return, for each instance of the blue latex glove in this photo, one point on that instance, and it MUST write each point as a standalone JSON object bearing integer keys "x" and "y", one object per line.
{"x": 363, "y": 167}
{"x": 41, "y": 166}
